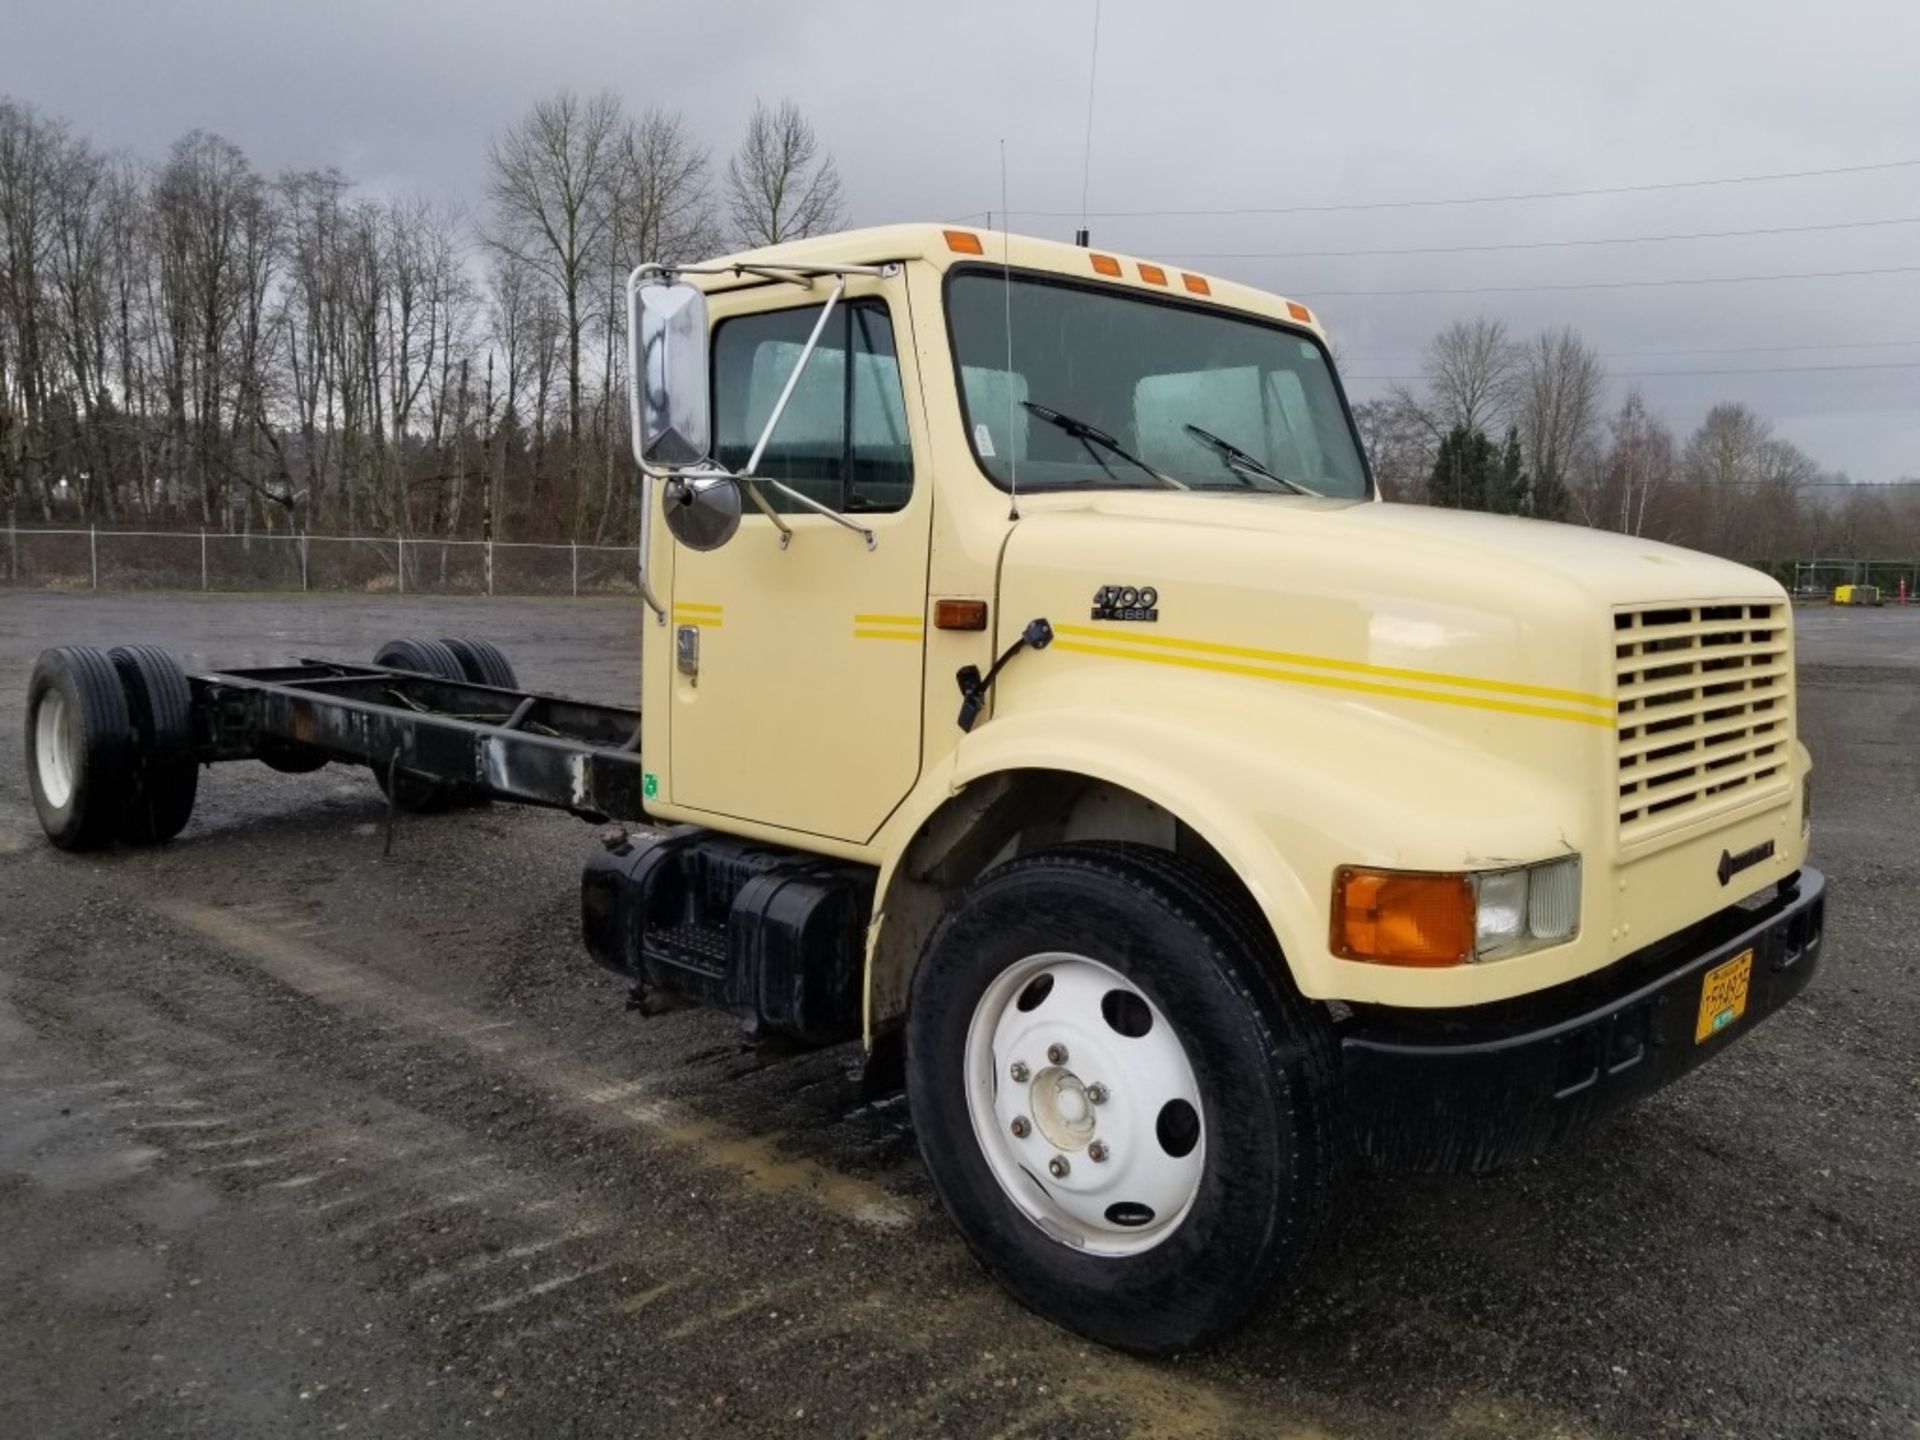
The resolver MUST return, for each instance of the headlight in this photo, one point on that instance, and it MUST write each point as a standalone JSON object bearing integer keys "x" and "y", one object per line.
{"x": 1423, "y": 918}
{"x": 1524, "y": 909}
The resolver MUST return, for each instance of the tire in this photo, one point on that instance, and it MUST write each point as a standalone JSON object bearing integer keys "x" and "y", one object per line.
{"x": 482, "y": 662}
{"x": 164, "y": 776}
{"x": 413, "y": 793}
{"x": 79, "y": 746}
{"x": 1166, "y": 986}
{"x": 422, "y": 657}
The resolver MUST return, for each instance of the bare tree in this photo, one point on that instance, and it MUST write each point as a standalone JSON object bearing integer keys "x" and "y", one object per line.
{"x": 211, "y": 213}
{"x": 1556, "y": 408}
{"x": 1399, "y": 443}
{"x": 30, "y": 149}
{"x": 1639, "y": 466}
{"x": 554, "y": 185}
{"x": 1469, "y": 369}
{"x": 779, "y": 185}
{"x": 1746, "y": 484}
{"x": 665, "y": 195}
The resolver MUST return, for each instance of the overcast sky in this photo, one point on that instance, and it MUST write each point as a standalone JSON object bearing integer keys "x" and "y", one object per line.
{"x": 1198, "y": 106}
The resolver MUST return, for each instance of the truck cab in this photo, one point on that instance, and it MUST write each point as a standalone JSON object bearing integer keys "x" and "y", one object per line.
{"x": 1208, "y": 822}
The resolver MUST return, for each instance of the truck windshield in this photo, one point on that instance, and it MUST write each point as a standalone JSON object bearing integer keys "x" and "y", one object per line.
{"x": 1149, "y": 373}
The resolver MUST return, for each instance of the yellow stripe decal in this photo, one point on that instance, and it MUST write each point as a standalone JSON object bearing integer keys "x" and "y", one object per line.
{"x": 1327, "y": 662}
{"x": 913, "y": 635}
{"x": 1331, "y": 682}
{"x": 887, "y": 620}
{"x": 690, "y": 605}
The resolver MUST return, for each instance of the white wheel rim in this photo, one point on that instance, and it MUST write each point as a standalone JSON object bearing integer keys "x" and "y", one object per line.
{"x": 53, "y": 749}
{"x": 1085, "y": 1089}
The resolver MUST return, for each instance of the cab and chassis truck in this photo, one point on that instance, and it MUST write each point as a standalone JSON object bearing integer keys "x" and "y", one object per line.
{"x": 1037, "y": 688}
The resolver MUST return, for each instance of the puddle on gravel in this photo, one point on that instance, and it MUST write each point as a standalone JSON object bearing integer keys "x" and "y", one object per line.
{"x": 97, "y": 1170}
{"x": 118, "y": 1273}
{"x": 171, "y": 1206}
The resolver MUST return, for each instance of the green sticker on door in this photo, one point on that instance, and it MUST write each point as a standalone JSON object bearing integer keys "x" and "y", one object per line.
{"x": 650, "y": 785}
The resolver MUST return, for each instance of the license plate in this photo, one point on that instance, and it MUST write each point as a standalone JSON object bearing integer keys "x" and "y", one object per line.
{"x": 1723, "y": 996}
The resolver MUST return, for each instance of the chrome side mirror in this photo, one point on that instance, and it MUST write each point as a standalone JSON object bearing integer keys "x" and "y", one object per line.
{"x": 702, "y": 511}
{"x": 667, "y": 362}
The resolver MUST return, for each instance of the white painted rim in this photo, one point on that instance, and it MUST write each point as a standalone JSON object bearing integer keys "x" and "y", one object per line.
{"x": 1142, "y": 1190}
{"x": 55, "y": 749}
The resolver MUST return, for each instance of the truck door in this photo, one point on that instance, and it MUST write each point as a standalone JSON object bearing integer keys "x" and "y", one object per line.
{"x": 797, "y": 687}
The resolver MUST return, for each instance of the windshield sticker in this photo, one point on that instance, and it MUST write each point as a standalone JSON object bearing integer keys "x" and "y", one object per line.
{"x": 983, "y": 441}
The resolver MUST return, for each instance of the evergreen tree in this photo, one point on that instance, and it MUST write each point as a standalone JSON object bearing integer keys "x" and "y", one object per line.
{"x": 1510, "y": 487}
{"x": 1464, "y": 471}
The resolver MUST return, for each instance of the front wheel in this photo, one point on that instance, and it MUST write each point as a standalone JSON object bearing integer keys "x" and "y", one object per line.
{"x": 1126, "y": 1109}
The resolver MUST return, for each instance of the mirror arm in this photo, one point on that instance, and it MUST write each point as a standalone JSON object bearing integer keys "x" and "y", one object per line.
{"x": 752, "y": 482}
{"x": 753, "y": 493}
{"x": 793, "y": 378}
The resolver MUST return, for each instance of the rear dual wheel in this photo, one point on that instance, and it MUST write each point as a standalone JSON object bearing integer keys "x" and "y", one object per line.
{"x": 463, "y": 660}
{"x": 1126, "y": 1109}
{"x": 110, "y": 746}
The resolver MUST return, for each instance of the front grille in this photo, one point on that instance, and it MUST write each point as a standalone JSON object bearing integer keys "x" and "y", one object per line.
{"x": 1704, "y": 697}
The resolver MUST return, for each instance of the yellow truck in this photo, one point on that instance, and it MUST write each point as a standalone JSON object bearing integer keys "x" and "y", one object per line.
{"x": 1037, "y": 689}
{"x": 1858, "y": 595}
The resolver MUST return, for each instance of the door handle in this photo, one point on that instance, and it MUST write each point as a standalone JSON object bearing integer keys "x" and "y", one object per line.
{"x": 686, "y": 650}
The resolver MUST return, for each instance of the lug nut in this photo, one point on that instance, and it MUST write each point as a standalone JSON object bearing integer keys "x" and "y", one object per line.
{"x": 1097, "y": 1151}
{"x": 1057, "y": 1167}
{"x": 1057, "y": 1054}
{"x": 1097, "y": 1093}
{"x": 1018, "y": 1072}
{"x": 1020, "y": 1127}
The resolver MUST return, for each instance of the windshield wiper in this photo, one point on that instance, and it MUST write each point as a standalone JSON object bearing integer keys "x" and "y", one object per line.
{"x": 1090, "y": 437}
{"x": 1243, "y": 464}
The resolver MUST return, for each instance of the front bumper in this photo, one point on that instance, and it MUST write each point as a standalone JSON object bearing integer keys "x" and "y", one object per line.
{"x": 1476, "y": 1088}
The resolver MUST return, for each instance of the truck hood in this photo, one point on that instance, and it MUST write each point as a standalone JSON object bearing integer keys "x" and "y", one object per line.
{"x": 1609, "y": 568}
{"x": 1356, "y": 583}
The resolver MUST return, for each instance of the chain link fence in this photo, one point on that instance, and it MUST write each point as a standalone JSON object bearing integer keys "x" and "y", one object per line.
{"x": 373, "y": 565}
{"x": 1899, "y": 580}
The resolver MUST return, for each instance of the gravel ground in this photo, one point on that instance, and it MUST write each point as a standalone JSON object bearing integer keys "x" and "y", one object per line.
{"x": 295, "y": 1138}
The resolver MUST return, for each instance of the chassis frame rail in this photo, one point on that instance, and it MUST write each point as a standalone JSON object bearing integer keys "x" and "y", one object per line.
{"x": 516, "y": 745}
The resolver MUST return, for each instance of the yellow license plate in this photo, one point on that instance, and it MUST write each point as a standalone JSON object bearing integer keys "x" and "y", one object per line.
{"x": 1723, "y": 996}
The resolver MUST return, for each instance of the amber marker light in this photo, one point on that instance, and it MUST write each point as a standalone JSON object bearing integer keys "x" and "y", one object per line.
{"x": 959, "y": 614}
{"x": 1402, "y": 917}
{"x": 963, "y": 242}
{"x": 1105, "y": 265}
{"x": 1196, "y": 284}
{"x": 1299, "y": 312}
{"x": 1153, "y": 274}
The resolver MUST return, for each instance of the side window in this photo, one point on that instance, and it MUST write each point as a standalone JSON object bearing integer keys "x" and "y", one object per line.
{"x": 842, "y": 439}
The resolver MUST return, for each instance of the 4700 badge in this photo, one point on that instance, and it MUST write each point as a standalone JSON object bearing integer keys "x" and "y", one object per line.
{"x": 1126, "y": 602}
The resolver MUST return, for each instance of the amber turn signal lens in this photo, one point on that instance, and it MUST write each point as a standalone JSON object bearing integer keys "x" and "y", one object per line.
{"x": 1402, "y": 917}
{"x": 959, "y": 614}
{"x": 962, "y": 242}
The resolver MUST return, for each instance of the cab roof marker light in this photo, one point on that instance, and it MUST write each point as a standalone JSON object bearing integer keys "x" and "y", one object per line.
{"x": 1152, "y": 274}
{"x": 1104, "y": 264}
{"x": 1299, "y": 312}
{"x": 964, "y": 242}
{"x": 1196, "y": 284}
